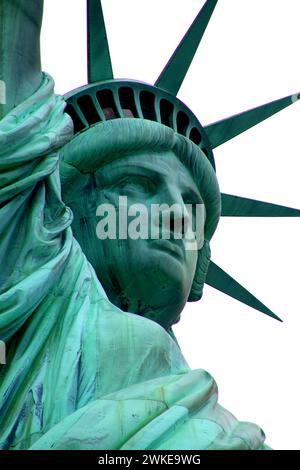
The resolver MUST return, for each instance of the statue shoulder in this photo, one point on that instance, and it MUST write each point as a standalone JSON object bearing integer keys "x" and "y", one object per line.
{"x": 141, "y": 348}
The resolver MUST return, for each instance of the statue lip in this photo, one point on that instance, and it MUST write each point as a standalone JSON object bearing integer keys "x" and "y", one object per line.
{"x": 171, "y": 246}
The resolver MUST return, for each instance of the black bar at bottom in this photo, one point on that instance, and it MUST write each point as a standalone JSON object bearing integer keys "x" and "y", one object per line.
{"x": 134, "y": 459}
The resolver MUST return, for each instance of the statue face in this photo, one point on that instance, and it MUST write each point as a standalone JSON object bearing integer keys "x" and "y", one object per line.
{"x": 150, "y": 277}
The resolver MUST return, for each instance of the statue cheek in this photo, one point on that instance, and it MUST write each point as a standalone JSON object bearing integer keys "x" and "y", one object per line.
{"x": 191, "y": 260}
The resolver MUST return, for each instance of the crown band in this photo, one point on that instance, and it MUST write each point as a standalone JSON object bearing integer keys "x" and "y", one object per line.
{"x": 113, "y": 99}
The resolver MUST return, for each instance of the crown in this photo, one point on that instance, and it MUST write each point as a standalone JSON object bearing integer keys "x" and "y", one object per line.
{"x": 132, "y": 99}
{"x": 105, "y": 98}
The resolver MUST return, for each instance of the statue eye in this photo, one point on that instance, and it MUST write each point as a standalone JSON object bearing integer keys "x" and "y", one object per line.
{"x": 136, "y": 184}
{"x": 191, "y": 202}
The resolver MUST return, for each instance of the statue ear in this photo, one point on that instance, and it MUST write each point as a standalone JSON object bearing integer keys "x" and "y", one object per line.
{"x": 201, "y": 272}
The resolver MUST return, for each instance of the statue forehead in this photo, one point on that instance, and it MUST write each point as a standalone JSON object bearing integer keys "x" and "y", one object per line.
{"x": 163, "y": 164}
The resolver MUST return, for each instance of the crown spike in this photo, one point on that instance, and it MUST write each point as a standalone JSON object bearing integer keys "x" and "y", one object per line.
{"x": 226, "y": 129}
{"x": 235, "y": 206}
{"x": 176, "y": 69}
{"x": 99, "y": 63}
{"x": 221, "y": 281}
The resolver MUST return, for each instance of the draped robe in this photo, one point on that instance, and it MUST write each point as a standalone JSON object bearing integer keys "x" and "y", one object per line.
{"x": 80, "y": 373}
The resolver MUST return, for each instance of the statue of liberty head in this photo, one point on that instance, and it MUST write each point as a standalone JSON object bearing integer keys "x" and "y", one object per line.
{"x": 137, "y": 147}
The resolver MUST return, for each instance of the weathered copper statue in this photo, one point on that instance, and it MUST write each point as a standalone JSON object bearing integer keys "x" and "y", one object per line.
{"x": 92, "y": 362}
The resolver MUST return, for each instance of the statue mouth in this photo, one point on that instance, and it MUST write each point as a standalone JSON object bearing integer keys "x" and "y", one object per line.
{"x": 172, "y": 247}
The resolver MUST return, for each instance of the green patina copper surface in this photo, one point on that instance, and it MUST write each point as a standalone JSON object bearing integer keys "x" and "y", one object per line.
{"x": 81, "y": 373}
{"x": 99, "y": 63}
{"x": 92, "y": 362}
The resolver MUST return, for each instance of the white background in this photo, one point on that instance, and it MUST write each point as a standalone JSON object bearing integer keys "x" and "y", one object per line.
{"x": 249, "y": 56}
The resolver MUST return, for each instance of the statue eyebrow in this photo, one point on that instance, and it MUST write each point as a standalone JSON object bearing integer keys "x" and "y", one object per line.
{"x": 134, "y": 169}
{"x": 157, "y": 177}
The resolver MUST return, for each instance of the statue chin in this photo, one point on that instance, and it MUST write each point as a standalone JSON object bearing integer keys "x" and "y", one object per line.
{"x": 148, "y": 292}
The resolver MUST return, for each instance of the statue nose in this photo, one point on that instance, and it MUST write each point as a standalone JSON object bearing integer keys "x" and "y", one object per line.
{"x": 179, "y": 219}
{"x": 175, "y": 216}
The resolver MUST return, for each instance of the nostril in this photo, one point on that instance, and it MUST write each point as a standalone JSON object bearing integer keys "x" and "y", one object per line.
{"x": 184, "y": 226}
{"x": 172, "y": 225}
